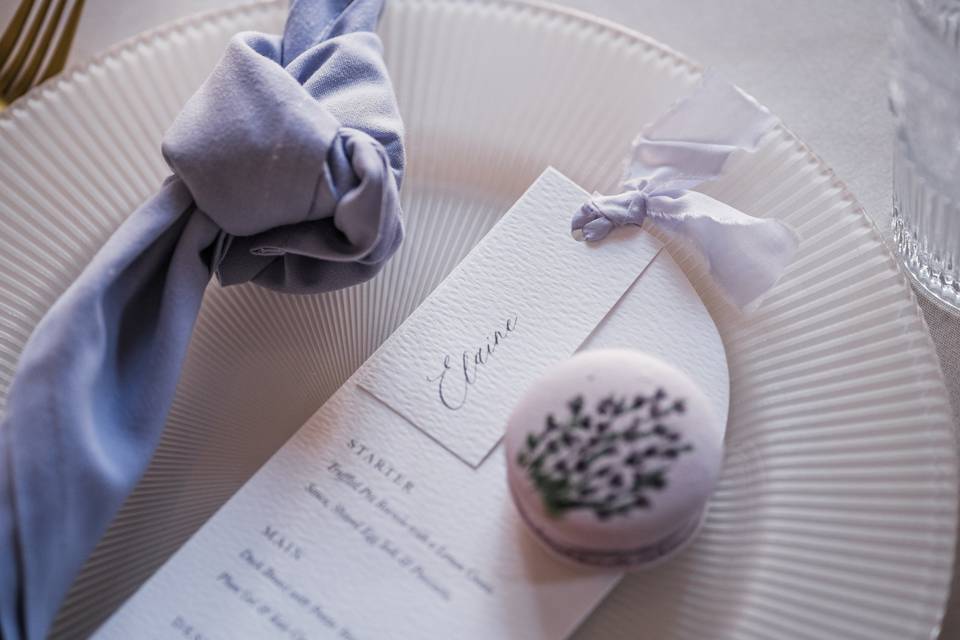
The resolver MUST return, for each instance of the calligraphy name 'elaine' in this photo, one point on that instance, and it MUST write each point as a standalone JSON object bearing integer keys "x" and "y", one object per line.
{"x": 456, "y": 378}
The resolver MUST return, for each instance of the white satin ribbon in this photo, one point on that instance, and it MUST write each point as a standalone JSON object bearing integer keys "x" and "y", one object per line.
{"x": 686, "y": 147}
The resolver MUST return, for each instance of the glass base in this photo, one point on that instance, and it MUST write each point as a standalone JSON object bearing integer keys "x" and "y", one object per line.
{"x": 934, "y": 290}
{"x": 926, "y": 234}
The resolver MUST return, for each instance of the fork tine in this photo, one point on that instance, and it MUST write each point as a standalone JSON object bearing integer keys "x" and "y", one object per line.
{"x": 10, "y": 73}
{"x": 13, "y": 30}
{"x": 59, "y": 57}
{"x": 26, "y": 76}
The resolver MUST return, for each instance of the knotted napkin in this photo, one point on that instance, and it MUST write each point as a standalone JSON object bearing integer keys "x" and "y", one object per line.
{"x": 686, "y": 147}
{"x": 286, "y": 169}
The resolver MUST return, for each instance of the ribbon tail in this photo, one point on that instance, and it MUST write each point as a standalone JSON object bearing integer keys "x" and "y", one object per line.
{"x": 691, "y": 143}
{"x": 89, "y": 401}
{"x": 746, "y": 255}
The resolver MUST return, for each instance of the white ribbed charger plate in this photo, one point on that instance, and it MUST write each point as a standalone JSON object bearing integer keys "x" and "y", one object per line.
{"x": 835, "y": 514}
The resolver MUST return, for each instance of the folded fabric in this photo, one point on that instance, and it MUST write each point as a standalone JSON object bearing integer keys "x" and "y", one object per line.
{"x": 286, "y": 170}
{"x": 686, "y": 147}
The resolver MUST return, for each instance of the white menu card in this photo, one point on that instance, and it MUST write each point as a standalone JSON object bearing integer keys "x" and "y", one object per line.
{"x": 387, "y": 515}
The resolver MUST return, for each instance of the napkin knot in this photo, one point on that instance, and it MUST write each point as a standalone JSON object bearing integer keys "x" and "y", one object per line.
{"x": 283, "y": 176}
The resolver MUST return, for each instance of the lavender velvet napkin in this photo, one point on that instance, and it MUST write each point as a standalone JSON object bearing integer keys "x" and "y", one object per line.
{"x": 286, "y": 169}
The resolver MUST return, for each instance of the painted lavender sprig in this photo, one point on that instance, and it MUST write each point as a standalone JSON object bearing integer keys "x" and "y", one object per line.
{"x": 607, "y": 460}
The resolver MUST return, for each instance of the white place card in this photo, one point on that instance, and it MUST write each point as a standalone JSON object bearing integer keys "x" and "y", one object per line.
{"x": 525, "y": 298}
{"x": 368, "y": 523}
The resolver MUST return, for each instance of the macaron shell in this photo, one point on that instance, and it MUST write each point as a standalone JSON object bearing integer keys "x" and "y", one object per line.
{"x": 685, "y": 480}
{"x": 640, "y": 558}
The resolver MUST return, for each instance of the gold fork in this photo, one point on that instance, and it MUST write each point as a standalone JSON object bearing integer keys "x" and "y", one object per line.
{"x": 24, "y": 47}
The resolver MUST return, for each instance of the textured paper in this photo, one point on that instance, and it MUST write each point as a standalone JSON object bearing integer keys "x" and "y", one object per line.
{"x": 525, "y": 298}
{"x": 362, "y": 526}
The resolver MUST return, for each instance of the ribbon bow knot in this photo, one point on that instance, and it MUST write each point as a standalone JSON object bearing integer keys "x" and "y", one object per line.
{"x": 686, "y": 147}
{"x": 602, "y": 213}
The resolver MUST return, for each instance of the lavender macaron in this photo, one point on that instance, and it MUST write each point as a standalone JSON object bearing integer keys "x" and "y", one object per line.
{"x": 612, "y": 457}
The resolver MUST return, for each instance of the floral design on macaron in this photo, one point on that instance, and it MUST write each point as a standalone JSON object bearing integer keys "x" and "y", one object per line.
{"x": 610, "y": 459}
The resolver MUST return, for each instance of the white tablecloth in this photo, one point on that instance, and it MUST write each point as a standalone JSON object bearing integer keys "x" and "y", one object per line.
{"x": 821, "y": 65}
